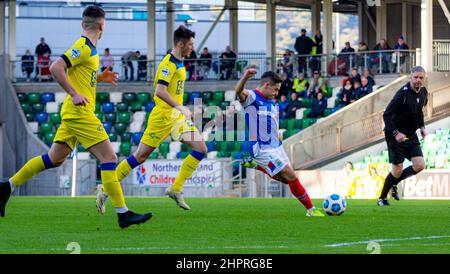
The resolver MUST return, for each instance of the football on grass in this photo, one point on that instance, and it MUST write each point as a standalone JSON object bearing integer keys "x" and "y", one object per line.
{"x": 334, "y": 205}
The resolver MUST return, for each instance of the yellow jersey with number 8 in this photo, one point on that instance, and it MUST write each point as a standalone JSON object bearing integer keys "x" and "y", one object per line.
{"x": 172, "y": 74}
{"x": 82, "y": 62}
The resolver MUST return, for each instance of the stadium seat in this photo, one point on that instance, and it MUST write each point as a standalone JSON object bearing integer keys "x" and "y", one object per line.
{"x": 59, "y": 97}
{"x": 22, "y": 97}
{"x": 47, "y": 97}
{"x": 38, "y": 107}
{"x": 34, "y": 126}
{"x": 212, "y": 155}
{"x": 34, "y": 97}
{"x": 230, "y": 95}
{"x": 83, "y": 156}
{"x": 299, "y": 113}
{"x": 102, "y": 97}
{"x": 30, "y": 117}
{"x": 149, "y": 107}
{"x": 194, "y": 95}
{"x": 182, "y": 155}
{"x": 207, "y": 96}
{"x": 306, "y": 102}
{"x": 328, "y": 111}
{"x": 223, "y": 105}
{"x": 27, "y": 108}
{"x": 41, "y": 117}
{"x": 136, "y": 106}
{"x": 135, "y": 127}
{"x": 164, "y": 148}
{"x": 116, "y": 146}
{"x": 185, "y": 98}
{"x": 51, "y": 107}
{"x": 48, "y": 138}
{"x": 99, "y": 116}
{"x": 175, "y": 146}
{"x": 120, "y": 127}
{"x": 124, "y": 117}
{"x": 331, "y": 103}
{"x": 136, "y": 138}
{"x": 128, "y": 97}
{"x": 55, "y": 118}
{"x": 122, "y": 107}
{"x": 143, "y": 97}
{"x": 110, "y": 117}
{"x": 113, "y": 137}
{"x": 125, "y": 137}
{"x": 107, "y": 107}
{"x": 98, "y": 107}
{"x": 218, "y": 96}
{"x": 171, "y": 155}
{"x": 154, "y": 155}
{"x": 107, "y": 126}
{"x": 236, "y": 155}
{"x": 139, "y": 116}
{"x": 125, "y": 149}
{"x": 45, "y": 128}
{"x": 115, "y": 97}
{"x": 80, "y": 148}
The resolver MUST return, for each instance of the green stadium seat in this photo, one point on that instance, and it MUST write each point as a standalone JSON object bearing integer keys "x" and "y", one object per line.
{"x": 207, "y": 96}
{"x": 22, "y": 97}
{"x": 219, "y": 96}
{"x": 143, "y": 97}
{"x": 283, "y": 123}
{"x": 81, "y": 148}
{"x": 125, "y": 149}
{"x": 223, "y": 154}
{"x": 120, "y": 127}
{"x": 237, "y": 146}
{"x": 122, "y": 107}
{"x": 45, "y": 128}
{"x": 124, "y": 117}
{"x": 223, "y": 146}
{"x": 98, "y": 107}
{"x": 185, "y": 97}
{"x": 164, "y": 148}
{"x": 125, "y": 137}
{"x": 185, "y": 148}
{"x": 26, "y": 108}
{"x": 136, "y": 106}
{"x": 306, "y": 112}
{"x": 113, "y": 137}
{"x": 128, "y": 97}
{"x": 49, "y": 137}
{"x": 102, "y": 97}
{"x": 34, "y": 98}
{"x": 154, "y": 155}
{"x": 30, "y": 117}
{"x": 306, "y": 102}
{"x": 38, "y": 107}
{"x": 328, "y": 111}
{"x": 110, "y": 117}
{"x": 224, "y": 104}
{"x": 290, "y": 124}
{"x": 329, "y": 92}
{"x": 99, "y": 116}
{"x": 55, "y": 118}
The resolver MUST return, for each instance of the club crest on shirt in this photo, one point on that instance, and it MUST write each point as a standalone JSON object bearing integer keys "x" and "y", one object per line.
{"x": 75, "y": 53}
{"x": 165, "y": 72}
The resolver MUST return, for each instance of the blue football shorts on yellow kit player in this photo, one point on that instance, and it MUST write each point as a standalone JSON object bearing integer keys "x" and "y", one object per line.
{"x": 163, "y": 123}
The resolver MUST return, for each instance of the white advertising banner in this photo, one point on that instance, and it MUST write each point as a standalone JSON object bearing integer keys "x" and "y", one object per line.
{"x": 164, "y": 173}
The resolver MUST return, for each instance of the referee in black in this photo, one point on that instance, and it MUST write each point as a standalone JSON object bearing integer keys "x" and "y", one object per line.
{"x": 402, "y": 117}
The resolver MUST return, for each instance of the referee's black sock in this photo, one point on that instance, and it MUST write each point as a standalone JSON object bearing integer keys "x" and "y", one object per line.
{"x": 407, "y": 172}
{"x": 388, "y": 183}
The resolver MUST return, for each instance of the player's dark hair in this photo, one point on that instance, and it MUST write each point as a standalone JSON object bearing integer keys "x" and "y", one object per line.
{"x": 270, "y": 77}
{"x": 92, "y": 16}
{"x": 182, "y": 34}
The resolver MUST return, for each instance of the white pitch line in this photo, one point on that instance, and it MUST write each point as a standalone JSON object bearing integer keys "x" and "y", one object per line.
{"x": 385, "y": 240}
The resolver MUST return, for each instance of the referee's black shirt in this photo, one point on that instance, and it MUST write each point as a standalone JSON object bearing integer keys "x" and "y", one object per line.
{"x": 404, "y": 113}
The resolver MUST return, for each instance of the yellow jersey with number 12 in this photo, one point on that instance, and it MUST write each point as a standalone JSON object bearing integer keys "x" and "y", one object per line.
{"x": 82, "y": 62}
{"x": 172, "y": 74}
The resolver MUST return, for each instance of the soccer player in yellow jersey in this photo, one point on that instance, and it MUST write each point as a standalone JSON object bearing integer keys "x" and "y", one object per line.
{"x": 79, "y": 123}
{"x": 168, "y": 117}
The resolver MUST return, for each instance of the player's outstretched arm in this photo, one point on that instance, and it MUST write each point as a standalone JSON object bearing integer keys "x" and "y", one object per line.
{"x": 58, "y": 71}
{"x": 108, "y": 76}
{"x": 241, "y": 92}
{"x": 161, "y": 92}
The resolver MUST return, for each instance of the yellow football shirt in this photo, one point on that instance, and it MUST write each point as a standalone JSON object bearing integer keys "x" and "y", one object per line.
{"x": 172, "y": 74}
{"x": 82, "y": 62}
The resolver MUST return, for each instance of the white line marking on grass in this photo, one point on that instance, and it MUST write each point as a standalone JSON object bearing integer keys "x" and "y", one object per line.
{"x": 386, "y": 240}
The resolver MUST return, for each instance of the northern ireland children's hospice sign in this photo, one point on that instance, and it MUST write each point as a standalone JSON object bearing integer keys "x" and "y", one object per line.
{"x": 163, "y": 173}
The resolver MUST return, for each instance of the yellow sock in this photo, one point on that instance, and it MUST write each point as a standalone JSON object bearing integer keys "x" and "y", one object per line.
{"x": 30, "y": 169}
{"x": 111, "y": 185}
{"x": 187, "y": 168}
{"x": 123, "y": 169}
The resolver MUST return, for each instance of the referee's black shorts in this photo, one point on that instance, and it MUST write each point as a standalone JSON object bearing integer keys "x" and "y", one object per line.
{"x": 399, "y": 151}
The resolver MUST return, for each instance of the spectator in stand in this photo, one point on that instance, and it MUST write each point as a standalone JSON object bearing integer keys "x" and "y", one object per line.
{"x": 43, "y": 48}
{"x": 142, "y": 67}
{"x": 43, "y": 65}
{"x": 348, "y": 56}
{"x": 286, "y": 85}
{"x": 365, "y": 87}
{"x": 127, "y": 62}
{"x": 189, "y": 64}
{"x": 346, "y": 95}
{"x": 106, "y": 60}
{"x": 400, "y": 56}
{"x": 293, "y": 105}
{"x": 303, "y": 45}
{"x": 355, "y": 77}
{"x": 318, "y": 106}
{"x": 227, "y": 63}
{"x": 283, "y": 106}
{"x": 316, "y": 84}
{"x": 385, "y": 56}
{"x": 356, "y": 91}
{"x": 205, "y": 63}
{"x": 288, "y": 63}
{"x": 362, "y": 58}
{"x": 318, "y": 40}
{"x": 27, "y": 64}
{"x": 369, "y": 77}
{"x": 301, "y": 86}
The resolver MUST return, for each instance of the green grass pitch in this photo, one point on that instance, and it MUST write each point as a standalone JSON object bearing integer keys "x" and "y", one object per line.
{"x": 228, "y": 225}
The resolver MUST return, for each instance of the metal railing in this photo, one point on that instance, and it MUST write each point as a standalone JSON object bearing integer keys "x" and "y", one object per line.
{"x": 216, "y": 68}
{"x": 441, "y": 49}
